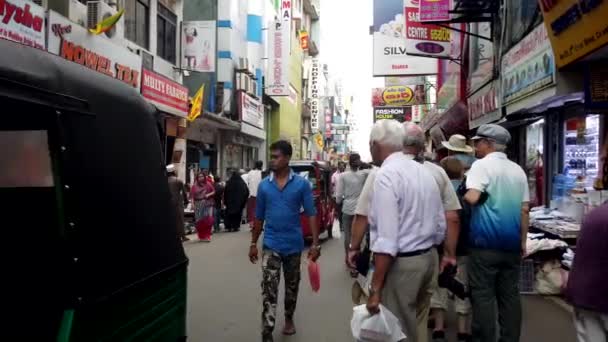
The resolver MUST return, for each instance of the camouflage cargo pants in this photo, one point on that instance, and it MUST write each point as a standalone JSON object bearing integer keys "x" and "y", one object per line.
{"x": 271, "y": 277}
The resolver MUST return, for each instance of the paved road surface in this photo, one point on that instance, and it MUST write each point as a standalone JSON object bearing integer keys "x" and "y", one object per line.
{"x": 224, "y": 298}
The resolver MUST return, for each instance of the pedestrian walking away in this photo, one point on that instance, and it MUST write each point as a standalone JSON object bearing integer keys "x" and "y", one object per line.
{"x": 202, "y": 193}
{"x": 219, "y": 202}
{"x": 348, "y": 191}
{"x": 235, "y": 200}
{"x": 407, "y": 220}
{"x": 179, "y": 199}
{"x": 254, "y": 179}
{"x": 279, "y": 199}
{"x": 334, "y": 183}
{"x": 497, "y": 190}
{"x": 413, "y": 148}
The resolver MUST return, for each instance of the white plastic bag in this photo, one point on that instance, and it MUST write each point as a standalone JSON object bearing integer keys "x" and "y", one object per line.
{"x": 382, "y": 327}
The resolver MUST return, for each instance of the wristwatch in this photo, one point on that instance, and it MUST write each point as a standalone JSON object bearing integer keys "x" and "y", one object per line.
{"x": 317, "y": 247}
{"x": 352, "y": 248}
{"x": 370, "y": 290}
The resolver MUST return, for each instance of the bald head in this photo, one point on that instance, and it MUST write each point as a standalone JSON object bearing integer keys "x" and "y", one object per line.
{"x": 414, "y": 140}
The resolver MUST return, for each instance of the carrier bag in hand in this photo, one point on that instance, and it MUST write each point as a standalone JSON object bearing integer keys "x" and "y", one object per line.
{"x": 382, "y": 327}
{"x": 314, "y": 275}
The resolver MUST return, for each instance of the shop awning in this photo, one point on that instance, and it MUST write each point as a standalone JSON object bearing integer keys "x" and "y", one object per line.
{"x": 552, "y": 102}
{"x": 217, "y": 121}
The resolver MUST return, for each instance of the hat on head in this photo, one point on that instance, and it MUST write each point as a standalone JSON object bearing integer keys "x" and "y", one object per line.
{"x": 493, "y": 132}
{"x": 457, "y": 143}
{"x": 170, "y": 168}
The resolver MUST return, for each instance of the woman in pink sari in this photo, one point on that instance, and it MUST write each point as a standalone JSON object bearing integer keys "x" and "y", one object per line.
{"x": 202, "y": 196}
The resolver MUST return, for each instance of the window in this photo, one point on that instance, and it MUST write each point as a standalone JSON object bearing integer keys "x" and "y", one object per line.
{"x": 166, "y": 38}
{"x": 137, "y": 22}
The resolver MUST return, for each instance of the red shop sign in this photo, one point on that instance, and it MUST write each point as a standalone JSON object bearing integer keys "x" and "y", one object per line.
{"x": 165, "y": 94}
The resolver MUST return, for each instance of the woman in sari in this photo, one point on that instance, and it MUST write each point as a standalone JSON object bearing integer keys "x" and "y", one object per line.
{"x": 202, "y": 196}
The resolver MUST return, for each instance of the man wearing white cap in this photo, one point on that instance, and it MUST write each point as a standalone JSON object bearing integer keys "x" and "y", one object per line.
{"x": 497, "y": 190}
{"x": 458, "y": 148}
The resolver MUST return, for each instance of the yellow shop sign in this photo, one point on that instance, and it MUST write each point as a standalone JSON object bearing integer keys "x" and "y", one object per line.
{"x": 575, "y": 27}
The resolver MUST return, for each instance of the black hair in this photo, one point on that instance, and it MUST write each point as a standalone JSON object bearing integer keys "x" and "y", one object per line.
{"x": 282, "y": 146}
{"x": 354, "y": 157}
{"x": 259, "y": 164}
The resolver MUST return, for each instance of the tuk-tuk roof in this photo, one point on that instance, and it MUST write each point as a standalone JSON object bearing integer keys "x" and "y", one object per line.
{"x": 323, "y": 165}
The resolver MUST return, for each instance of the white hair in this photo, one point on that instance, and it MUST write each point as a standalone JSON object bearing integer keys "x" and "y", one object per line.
{"x": 389, "y": 133}
{"x": 413, "y": 136}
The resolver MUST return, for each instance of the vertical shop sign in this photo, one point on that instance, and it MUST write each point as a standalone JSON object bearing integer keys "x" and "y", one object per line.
{"x": 424, "y": 39}
{"x": 198, "y": 45}
{"x": 528, "y": 67}
{"x": 23, "y": 22}
{"x": 483, "y": 106}
{"x": 280, "y": 44}
{"x": 481, "y": 57}
{"x": 390, "y": 53}
{"x": 434, "y": 10}
{"x": 596, "y": 85}
{"x": 314, "y": 94}
{"x": 451, "y": 90}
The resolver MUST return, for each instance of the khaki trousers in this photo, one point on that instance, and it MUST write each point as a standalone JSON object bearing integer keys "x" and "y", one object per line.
{"x": 407, "y": 293}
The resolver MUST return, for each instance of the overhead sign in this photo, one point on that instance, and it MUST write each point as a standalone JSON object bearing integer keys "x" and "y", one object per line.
{"x": 528, "y": 67}
{"x": 451, "y": 89}
{"x": 434, "y": 10}
{"x": 392, "y": 96}
{"x": 315, "y": 106}
{"x": 424, "y": 39}
{"x": 481, "y": 57}
{"x": 483, "y": 106}
{"x": 22, "y": 21}
{"x": 405, "y": 80}
{"x": 401, "y": 114}
{"x": 198, "y": 45}
{"x": 575, "y": 28}
{"x": 390, "y": 53}
{"x": 167, "y": 95}
{"x": 280, "y": 44}
{"x": 252, "y": 110}
{"x": 73, "y": 42}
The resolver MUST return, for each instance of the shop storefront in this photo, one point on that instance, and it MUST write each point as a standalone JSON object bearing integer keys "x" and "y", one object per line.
{"x": 171, "y": 100}
{"x": 252, "y": 134}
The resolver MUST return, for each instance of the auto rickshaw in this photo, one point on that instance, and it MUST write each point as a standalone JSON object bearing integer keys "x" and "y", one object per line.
{"x": 92, "y": 249}
{"x": 318, "y": 174}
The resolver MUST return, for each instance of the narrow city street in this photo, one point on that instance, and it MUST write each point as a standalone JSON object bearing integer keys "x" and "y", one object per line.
{"x": 224, "y": 299}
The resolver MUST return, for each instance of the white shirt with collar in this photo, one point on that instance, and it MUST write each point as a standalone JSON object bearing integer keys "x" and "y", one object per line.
{"x": 449, "y": 198}
{"x": 406, "y": 213}
{"x": 253, "y": 182}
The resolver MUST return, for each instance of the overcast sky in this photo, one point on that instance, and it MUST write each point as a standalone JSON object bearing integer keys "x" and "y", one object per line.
{"x": 346, "y": 47}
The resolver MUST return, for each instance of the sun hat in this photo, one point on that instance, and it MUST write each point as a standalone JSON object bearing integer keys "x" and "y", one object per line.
{"x": 457, "y": 143}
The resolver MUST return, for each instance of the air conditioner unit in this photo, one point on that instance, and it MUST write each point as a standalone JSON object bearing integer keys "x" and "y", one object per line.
{"x": 254, "y": 88}
{"x": 77, "y": 12}
{"x": 98, "y": 11}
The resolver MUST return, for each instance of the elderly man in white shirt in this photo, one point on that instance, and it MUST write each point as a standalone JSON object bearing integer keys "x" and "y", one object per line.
{"x": 407, "y": 220}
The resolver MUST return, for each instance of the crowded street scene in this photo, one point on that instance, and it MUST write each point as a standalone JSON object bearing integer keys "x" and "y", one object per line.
{"x": 305, "y": 170}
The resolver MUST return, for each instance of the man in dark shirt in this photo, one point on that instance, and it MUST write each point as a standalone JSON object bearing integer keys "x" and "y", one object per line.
{"x": 279, "y": 200}
{"x": 178, "y": 199}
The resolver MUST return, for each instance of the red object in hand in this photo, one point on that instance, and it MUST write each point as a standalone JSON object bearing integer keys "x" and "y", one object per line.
{"x": 314, "y": 275}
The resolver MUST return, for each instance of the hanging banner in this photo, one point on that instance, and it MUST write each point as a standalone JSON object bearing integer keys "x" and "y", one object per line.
{"x": 528, "y": 66}
{"x": 576, "y": 28}
{"x": 392, "y": 96}
{"x": 280, "y": 44}
{"x": 483, "y": 106}
{"x": 481, "y": 57}
{"x": 74, "y": 43}
{"x": 315, "y": 106}
{"x": 434, "y": 10}
{"x": 390, "y": 53}
{"x": 23, "y": 22}
{"x": 167, "y": 95}
{"x": 424, "y": 39}
{"x": 198, "y": 45}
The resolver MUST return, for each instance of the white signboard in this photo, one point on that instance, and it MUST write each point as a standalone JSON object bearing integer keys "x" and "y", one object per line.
{"x": 280, "y": 44}
{"x": 198, "y": 45}
{"x": 390, "y": 54}
{"x": 74, "y": 43}
{"x": 252, "y": 111}
{"x": 23, "y": 22}
{"x": 315, "y": 111}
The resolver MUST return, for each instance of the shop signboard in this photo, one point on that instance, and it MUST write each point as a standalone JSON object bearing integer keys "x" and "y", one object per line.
{"x": 252, "y": 110}
{"x": 403, "y": 81}
{"x": 481, "y": 57}
{"x": 435, "y": 10}
{"x": 596, "y": 85}
{"x": 390, "y": 54}
{"x": 74, "y": 43}
{"x": 198, "y": 45}
{"x": 22, "y": 21}
{"x": 401, "y": 114}
{"x": 167, "y": 95}
{"x": 418, "y": 113}
{"x": 528, "y": 66}
{"x": 279, "y": 45}
{"x": 424, "y": 39}
{"x": 483, "y": 106}
{"x": 451, "y": 90}
{"x": 392, "y": 96}
{"x": 315, "y": 110}
{"x": 576, "y": 28}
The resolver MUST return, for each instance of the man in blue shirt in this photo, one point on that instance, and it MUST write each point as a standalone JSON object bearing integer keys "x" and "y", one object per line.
{"x": 279, "y": 200}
